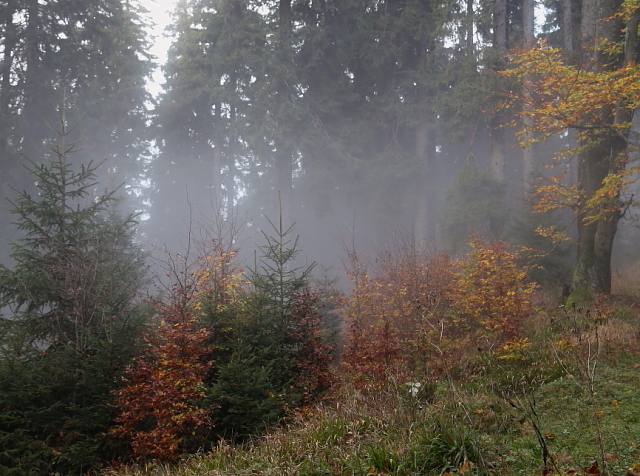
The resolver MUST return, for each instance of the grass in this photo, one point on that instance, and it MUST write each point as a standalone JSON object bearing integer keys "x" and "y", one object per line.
{"x": 569, "y": 393}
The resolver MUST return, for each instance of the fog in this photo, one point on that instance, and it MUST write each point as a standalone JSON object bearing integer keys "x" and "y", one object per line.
{"x": 360, "y": 135}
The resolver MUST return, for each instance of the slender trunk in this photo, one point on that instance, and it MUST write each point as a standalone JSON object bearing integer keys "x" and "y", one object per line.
{"x": 284, "y": 149}
{"x": 568, "y": 28}
{"x": 10, "y": 39}
{"x": 8, "y": 45}
{"x": 34, "y": 83}
{"x": 425, "y": 150}
{"x": 528, "y": 152}
{"x": 216, "y": 156}
{"x": 469, "y": 28}
{"x": 500, "y": 26}
{"x": 285, "y": 185}
{"x": 497, "y": 153}
{"x": 497, "y": 135}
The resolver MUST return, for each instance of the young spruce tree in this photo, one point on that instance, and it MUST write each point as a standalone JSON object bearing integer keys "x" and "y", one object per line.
{"x": 273, "y": 356}
{"x": 69, "y": 312}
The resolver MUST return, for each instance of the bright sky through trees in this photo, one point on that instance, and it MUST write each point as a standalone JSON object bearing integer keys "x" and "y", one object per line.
{"x": 160, "y": 13}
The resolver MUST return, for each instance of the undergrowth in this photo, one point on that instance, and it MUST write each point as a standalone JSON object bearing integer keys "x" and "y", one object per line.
{"x": 563, "y": 399}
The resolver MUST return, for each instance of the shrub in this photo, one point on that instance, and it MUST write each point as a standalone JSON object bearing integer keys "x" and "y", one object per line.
{"x": 491, "y": 292}
{"x": 396, "y": 314}
{"x": 158, "y": 406}
{"x": 418, "y": 312}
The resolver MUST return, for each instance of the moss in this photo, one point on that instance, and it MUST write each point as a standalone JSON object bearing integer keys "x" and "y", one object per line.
{"x": 579, "y": 297}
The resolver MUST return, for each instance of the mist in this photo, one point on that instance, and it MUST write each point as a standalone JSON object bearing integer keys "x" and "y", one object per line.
{"x": 360, "y": 135}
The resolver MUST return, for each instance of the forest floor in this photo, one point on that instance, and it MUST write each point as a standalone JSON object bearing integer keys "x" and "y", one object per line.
{"x": 564, "y": 399}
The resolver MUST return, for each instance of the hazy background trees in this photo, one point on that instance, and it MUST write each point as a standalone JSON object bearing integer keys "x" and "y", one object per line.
{"x": 355, "y": 116}
{"x": 348, "y": 117}
{"x": 94, "y": 53}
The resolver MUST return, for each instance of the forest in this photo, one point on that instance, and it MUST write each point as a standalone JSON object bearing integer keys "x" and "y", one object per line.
{"x": 346, "y": 237}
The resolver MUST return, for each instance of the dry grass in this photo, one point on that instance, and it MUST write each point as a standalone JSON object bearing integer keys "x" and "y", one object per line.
{"x": 613, "y": 334}
{"x": 626, "y": 281}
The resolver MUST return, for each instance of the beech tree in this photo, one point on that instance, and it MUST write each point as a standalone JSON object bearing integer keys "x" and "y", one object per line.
{"x": 596, "y": 99}
{"x": 159, "y": 416}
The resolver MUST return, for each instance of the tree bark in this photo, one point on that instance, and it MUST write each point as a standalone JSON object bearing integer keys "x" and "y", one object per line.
{"x": 528, "y": 152}
{"x": 285, "y": 185}
{"x": 599, "y": 157}
{"x": 566, "y": 22}
{"x": 216, "y": 156}
{"x": 35, "y": 84}
{"x": 425, "y": 150}
{"x": 9, "y": 43}
{"x": 497, "y": 135}
{"x": 284, "y": 149}
{"x": 469, "y": 30}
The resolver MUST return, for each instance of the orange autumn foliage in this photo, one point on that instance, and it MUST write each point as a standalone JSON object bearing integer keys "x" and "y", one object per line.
{"x": 490, "y": 290}
{"x": 420, "y": 312}
{"x": 395, "y": 313}
{"x": 219, "y": 281}
{"x": 559, "y": 96}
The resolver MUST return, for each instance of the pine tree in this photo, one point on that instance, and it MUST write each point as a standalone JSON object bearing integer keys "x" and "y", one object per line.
{"x": 71, "y": 313}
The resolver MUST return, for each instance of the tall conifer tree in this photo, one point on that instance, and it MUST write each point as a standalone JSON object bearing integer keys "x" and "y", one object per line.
{"x": 70, "y": 314}
{"x": 94, "y": 52}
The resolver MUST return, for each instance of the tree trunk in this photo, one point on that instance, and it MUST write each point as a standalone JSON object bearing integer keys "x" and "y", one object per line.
{"x": 528, "y": 152}
{"x": 497, "y": 135}
{"x": 285, "y": 185}
{"x": 425, "y": 150}
{"x": 469, "y": 30}
{"x": 284, "y": 149}
{"x": 566, "y": 22}
{"x": 595, "y": 240}
{"x": 216, "y": 156}
{"x": 8, "y": 45}
{"x": 35, "y": 84}
{"x": 631, "y": 41}
{"x": 599, "y": 157}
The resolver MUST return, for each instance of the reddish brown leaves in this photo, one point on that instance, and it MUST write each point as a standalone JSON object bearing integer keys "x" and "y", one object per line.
{"x": 158, "y": 407}
{"x": 313, "y": 354}
{"x": 395, "y": 313}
